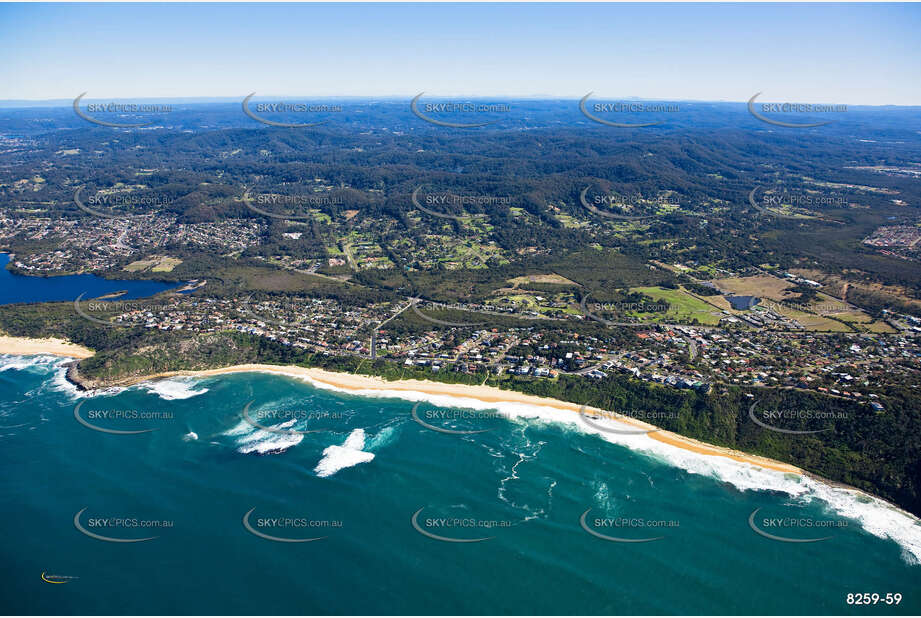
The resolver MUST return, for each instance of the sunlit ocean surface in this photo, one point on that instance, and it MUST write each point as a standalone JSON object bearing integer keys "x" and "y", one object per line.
{"x": 261, "y": 494}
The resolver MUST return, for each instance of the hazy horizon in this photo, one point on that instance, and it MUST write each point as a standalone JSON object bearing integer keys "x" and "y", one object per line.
{"x": 857, "y": 54}
{"x": 205, "y": 99}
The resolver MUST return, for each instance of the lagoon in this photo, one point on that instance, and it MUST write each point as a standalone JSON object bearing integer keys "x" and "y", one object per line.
{"x": 26, "y": 289}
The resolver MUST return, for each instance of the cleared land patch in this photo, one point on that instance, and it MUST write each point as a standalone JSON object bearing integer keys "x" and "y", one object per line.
{"x": 548, "y": 278}
{"x": 681, "y": 306}
{"x": 155, "y": 263}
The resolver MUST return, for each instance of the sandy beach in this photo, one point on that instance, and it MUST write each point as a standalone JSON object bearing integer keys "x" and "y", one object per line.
{"x": 55, "y": 347}
{"x": 487, "y": 394}
{"x": 363, "y": 383}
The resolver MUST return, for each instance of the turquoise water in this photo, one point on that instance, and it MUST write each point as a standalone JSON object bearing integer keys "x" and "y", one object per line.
{"x": 25, "y": 289}
{"x": 201, "y": 470}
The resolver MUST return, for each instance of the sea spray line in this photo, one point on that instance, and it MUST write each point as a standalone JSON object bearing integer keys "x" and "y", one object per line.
{"x": 173, "y": 389}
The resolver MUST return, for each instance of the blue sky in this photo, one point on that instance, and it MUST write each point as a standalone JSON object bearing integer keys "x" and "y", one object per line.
{"x": 851, "y": 53}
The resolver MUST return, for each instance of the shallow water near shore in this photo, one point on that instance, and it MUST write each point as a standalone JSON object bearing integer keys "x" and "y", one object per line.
{"x": 351, "y": 472}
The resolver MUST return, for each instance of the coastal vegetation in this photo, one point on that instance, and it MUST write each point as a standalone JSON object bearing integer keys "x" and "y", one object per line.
{"x": 852, "y": 444}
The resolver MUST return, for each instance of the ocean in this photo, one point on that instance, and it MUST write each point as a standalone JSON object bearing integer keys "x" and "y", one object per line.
{"x": 262, "y": 494}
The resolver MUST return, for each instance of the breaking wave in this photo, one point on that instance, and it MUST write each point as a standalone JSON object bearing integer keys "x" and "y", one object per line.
{"x": 172, "y": 389}
{"x": 262, "y": 442}
{"x": 876, "y": 516}
{"x": 350, "y": 454}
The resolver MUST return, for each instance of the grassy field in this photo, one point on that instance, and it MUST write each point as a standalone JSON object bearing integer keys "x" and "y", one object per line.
{"x": 157, "y": 264}
{"x": 682, "y": 306}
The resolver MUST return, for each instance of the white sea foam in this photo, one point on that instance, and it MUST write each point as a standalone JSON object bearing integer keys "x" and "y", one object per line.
{"x": 262, "y": 442}
{"x": 20, "y": 363}
{"x": 876, "y": 516}
{"x": 336, "y": 458}
{"x": 241, "y": 428}
{"x": 175, "y": 388}
{"x": 382, "y": 438}
{"x": 58, "y": 382}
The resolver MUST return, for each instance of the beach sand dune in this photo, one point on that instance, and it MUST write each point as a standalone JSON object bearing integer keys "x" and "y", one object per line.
{"x": 485, "y": 394}
{"x": 23, "y": 346}
{"x": 362, "y": 383}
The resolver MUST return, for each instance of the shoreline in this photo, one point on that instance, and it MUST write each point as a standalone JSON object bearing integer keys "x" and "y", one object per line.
{"x": 377, "y": 386}
{"x": 363, "y": 384}
{"x": 371, "y": 386}
{"x": 25, "y": 346}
